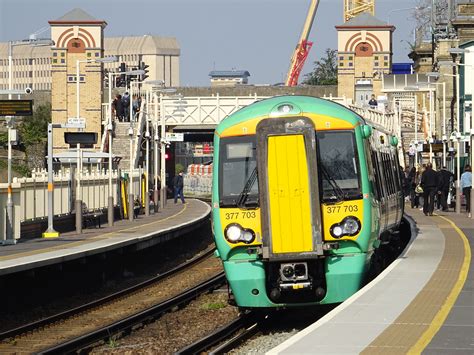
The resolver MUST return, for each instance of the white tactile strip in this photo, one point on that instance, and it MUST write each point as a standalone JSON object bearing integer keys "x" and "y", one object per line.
{"x": 365, "y": 315}
{"x": 96, "y": 245}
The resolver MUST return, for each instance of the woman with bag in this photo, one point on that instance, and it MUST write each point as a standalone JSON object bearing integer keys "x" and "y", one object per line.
{"x": 413, "y": 182}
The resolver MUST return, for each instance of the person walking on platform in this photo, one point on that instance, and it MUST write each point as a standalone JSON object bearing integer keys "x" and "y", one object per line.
{"x": 466, "y": 185}
{"x": 413, "y": 180}
{"x": 429, "y": 183}
{"x": 445, "y": 178}
{"x": 178, "y": 187}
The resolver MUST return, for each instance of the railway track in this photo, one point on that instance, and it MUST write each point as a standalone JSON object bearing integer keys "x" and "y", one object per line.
{"x": 116, "y": 313}
{"x": 229, "y": 336}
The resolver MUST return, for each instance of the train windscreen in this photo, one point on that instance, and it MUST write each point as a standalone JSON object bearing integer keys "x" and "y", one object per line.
{"x": 238, "y": 164}
{"x": 338, "y": 165}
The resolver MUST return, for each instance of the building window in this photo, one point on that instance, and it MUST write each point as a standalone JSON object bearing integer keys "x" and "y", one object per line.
{"x": 350, "y": 64}
{"x": 385, "y": 57}
{"x": 55, "y": 61}
{"x": 55, "y": 54}
{"x": 62, "y": 54}
{"x": 350, "y": 57}
{"x": 82, "y": 79}
{"x": 385, "y": 64}
{"x": 97, "y": 54}
{"x": 341, "y": 57}
{"x": 341, "y": 64}
{"x": 89, "y": 54}
{"x": 376, "y": 57}
{"x": 376, "y": 64}
{"x": 63, "y": 61}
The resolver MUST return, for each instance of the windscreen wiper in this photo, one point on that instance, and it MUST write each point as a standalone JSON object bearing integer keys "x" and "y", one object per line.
{"x": 248, "y": 186}
{"x": 338, "y": 193}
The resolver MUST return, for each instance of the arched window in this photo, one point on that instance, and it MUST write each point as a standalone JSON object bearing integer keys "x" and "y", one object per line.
{"x": 76, "y": 45}
{"x": 364, "y": 49}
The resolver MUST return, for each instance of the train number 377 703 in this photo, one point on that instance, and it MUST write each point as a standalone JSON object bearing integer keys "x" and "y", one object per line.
{"x": 346, "y": 208}
{"x": 241, "y": 215}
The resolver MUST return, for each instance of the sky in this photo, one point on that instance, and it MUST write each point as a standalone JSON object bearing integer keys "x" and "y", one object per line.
{"x": 254, "y": 35}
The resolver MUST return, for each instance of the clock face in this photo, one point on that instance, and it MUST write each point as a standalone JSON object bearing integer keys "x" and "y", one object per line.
{"x": 364, "y": 49}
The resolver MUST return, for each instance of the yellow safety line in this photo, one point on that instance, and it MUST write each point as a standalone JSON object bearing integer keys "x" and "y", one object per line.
{"x": 101, "y": 236}
{"x": 441, "y": 316}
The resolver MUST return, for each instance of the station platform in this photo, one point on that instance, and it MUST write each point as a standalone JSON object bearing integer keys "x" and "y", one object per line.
{"x": 172, "y": 221}
{"x": 422, "y": 303}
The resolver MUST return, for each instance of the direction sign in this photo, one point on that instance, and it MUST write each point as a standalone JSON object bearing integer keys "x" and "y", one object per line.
{"x": 175, "y": 137}
{"x": 76, "y": 120}
{"x": 16, "y": 107}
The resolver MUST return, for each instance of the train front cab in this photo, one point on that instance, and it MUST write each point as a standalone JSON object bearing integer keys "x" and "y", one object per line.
{"x": 299, "y": 249}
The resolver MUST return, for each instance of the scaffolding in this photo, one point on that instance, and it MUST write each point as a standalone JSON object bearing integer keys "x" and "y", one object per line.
{"x": 352, "y": 8}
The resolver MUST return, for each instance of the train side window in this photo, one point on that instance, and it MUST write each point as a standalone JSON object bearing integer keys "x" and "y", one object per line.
{"x": 371, "y": 170}
{"x": 378, "y": 183}
{"x": 388, "y": 169}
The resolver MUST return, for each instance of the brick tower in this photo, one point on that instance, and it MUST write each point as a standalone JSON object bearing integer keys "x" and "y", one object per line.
{"x": 78, "y": 37}
{"x": 364, "y": 54}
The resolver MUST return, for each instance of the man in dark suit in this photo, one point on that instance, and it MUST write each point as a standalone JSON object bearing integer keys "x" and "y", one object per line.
{"x": 178, "y": 184}
{"x": 429, "y": 183}
{"x": 445, "y": 178}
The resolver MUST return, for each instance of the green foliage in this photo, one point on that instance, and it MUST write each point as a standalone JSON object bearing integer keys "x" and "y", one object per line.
{"x": 3, "y": 139}
{"x": 214, "y": 306}
{"x": 22, "y": 169}
{"x": 34, "y": 129}
{"x": 325, "y": 70}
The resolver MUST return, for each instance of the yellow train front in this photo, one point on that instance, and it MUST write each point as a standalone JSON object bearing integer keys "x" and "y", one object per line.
{"x": 304, "y": 192}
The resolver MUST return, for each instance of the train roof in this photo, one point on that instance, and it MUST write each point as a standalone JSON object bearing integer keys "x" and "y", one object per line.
{"x": 302, "y": 105}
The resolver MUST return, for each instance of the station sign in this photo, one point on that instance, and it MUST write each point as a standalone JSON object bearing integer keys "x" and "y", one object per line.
{"x": 79, "y": 121}
{"x": 16, "y": 107}
{"x": 174, "y": 137}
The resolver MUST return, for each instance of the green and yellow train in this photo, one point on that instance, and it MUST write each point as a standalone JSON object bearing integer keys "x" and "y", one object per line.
{"x": 304, "y": 193}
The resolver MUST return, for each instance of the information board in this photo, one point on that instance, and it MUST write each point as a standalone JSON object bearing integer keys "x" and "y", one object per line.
{"x": 174, "y": 137}
{"x": 16, "y": 107}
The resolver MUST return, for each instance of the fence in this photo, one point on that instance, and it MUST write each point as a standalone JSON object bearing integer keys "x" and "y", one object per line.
{"x": 30, "y": 195}
{"x": 198, "y": 181}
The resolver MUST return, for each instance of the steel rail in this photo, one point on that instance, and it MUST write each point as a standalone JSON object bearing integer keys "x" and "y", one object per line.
{"x": 125, "y": 325}
{"x": 66, "y": 314}
{"x": 250, "y": 322}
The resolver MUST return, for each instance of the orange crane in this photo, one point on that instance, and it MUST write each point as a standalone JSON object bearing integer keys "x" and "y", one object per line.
{"x": 352, "y": 8}
{"x": 302, "y": 49}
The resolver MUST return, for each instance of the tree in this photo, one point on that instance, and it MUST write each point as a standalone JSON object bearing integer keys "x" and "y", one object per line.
{"x": 325, "y": 70}
{"x": 34, "y": 129}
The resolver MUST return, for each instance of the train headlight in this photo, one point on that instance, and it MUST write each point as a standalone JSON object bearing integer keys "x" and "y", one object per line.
{"x": 349, "y": 226}
{"x": 248, "y": 236}
{"x": 337, "y": 231}
{"x": 234, "y": 233}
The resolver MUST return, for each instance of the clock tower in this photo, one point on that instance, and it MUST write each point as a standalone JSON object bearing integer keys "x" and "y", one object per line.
{"x": 364, "y": 54}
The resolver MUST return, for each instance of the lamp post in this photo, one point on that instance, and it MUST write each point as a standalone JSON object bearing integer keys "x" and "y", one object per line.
{"x": 152, "y": 96}
{"x": 110, "y": 204}
{"x": 436, "y": 75}
{"x": 415, "y": 89}
{"x": 79, "y": 159}
{"x": 10, "y": 235}
{"x": 457, "y": 135}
